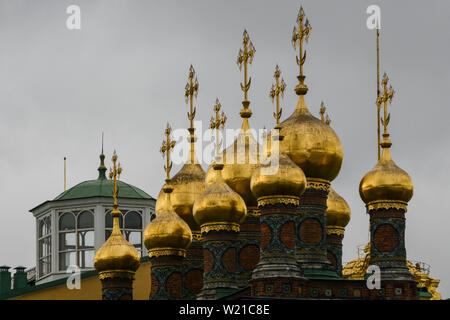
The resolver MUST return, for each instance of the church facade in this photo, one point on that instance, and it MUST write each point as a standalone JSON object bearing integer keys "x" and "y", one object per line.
{"x": 240, "y": 230}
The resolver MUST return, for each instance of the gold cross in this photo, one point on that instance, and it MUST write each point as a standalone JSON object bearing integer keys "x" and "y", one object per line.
{"x": 217, "y": 123}
{"x": 384, "y": 98}
{"x": 191, "y": 91}
{"x": 167, "y": 145}
{"x": 245, "y": 57}
{"x": 322, "y": 112}
{"x": 298, "y": 35}
{"x": 114, "y": 175}
{"x": 276, "y": 91}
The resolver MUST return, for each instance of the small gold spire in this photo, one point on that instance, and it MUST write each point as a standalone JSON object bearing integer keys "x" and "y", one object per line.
{"x": 322, "y": 112}
{"x": 191, "y": 91}
{"x": 384, "y": 98}
{"x": 114, "y": 175}
{"x": 217, "y": 123}
{"x": 378, "y": 93}
{"x": 167, "y": 145}
{"x": 245, "y": 57}
{"x": 327, "y": 120}
{"x": 298, "y": 35}
{"x": 276, "y": 91}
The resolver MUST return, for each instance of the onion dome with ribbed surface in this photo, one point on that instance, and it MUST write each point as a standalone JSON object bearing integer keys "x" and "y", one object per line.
{"x": 386, "y": 181}
{"x": 167, "y": 234}
{"x": 278, "y": 176}
{"x": 311, "y": 144}
{"x": 219, "y": 207}
{"x": 338, "y": 211}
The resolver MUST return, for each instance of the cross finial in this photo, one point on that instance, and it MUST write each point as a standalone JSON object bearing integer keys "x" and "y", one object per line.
{"x": 298, "y": 35}
{"x": 245, "y": 57}
{"x": 217, "y": 123}
{"x": 191, "y": 91}
{"x": 384, "y": 98}
{"x": 322, "y": 111}
{"x": 276, "y": 91}
{"x": 114, "y": 175}
{"x": 166, "y": 147}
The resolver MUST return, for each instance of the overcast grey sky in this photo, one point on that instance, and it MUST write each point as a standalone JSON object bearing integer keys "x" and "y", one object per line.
{"x": 124, "y": 73}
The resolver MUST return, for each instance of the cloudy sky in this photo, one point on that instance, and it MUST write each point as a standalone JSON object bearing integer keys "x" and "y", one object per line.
{"x": 124, "y": 73}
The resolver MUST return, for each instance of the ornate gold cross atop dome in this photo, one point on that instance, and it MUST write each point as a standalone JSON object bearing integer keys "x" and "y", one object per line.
{"x": 276, "y": 91}
{"x": 191, "y": 91}
{"x": 298, "y": 35}
{"x": 166, "y": 147}
{"x": 245, "y": 57}
{"x": 114, "y": 175}
{"x": 384, "y": 98}
{"x": 217, "y": 123}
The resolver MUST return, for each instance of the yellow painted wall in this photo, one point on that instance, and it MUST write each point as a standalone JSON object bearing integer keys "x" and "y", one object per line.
{"x": 91, "y": 289}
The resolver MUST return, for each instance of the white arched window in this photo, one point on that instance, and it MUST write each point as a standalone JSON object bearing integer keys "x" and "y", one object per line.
{"x": 45, "y": 246}
{"x": 76, "y": 239}
{"x": 132, "y": 230}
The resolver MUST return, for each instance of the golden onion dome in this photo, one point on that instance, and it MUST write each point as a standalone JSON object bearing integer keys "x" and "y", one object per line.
{"x": 116, "y": 255}
{"x": 338, "y": 211}
{"x": 243, "y": 159}
{"x": 167, "y": 230}
{"x": 219, "y": 204}
{"x": 271, "y": 180}
{"x": 311, "y": 144}
{"x": 386, "y": 181}
{"x": 187, "y": 185}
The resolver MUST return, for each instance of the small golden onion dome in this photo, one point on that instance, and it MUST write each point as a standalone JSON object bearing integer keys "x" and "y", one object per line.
{"x": 270, "y": 179}
{"x": 311, "y": 144}
{"x": 167, "y": 230}
{"x": 238, "y": 170}
{"x": 219, "y": 204}
{"x": 338, "y": 211}
{"x": 187, "y": 185}
{"x": 386, "y": 181}
{"x": 116, "y": 255}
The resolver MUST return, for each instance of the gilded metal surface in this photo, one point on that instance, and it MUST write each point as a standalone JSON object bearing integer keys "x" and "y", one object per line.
{"x": 189, "y": 182}
{"x": 253, "y": 211}
{"x": 116, "y": 257}
{"x": 278, "y": 199}
{"x": 311, "y": 144}
{"x": 298, "y": 35}
{"x": 197, "y": 235}
{"x": 386, "y": 181}
{"x": 335, "y": 230}
{"x": 159, "y": 252}
{"x": 287, "y": 179}
{"x": 276, "y": 91}
{"x": 218, "y": 226}
{"x": 318, "y": 184}
{"x": 116, "y": 274}
{"x": 338, "y": 212}
{"x": 167, "y": 230}
{"x": 386, "y": 205}
{"x": 241, "y": 157}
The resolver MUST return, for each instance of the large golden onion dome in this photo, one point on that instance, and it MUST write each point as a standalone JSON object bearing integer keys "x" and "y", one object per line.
{"x": 167, "y": 232}
{"x": 386, "y": 181}
{"x": 338, "y": 211}
{"x": 238, "y": 169}
{"x": 270, "y": 179}
{"x": 219, "y": 205}
{"x": 116, "y": 255}
{"x": 311, "y": 144}
{"x": 187, "y": 185}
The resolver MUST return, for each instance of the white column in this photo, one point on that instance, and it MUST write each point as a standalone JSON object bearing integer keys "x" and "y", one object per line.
{"x": 55, "y": 257}
{"x": 99, "y": 226}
